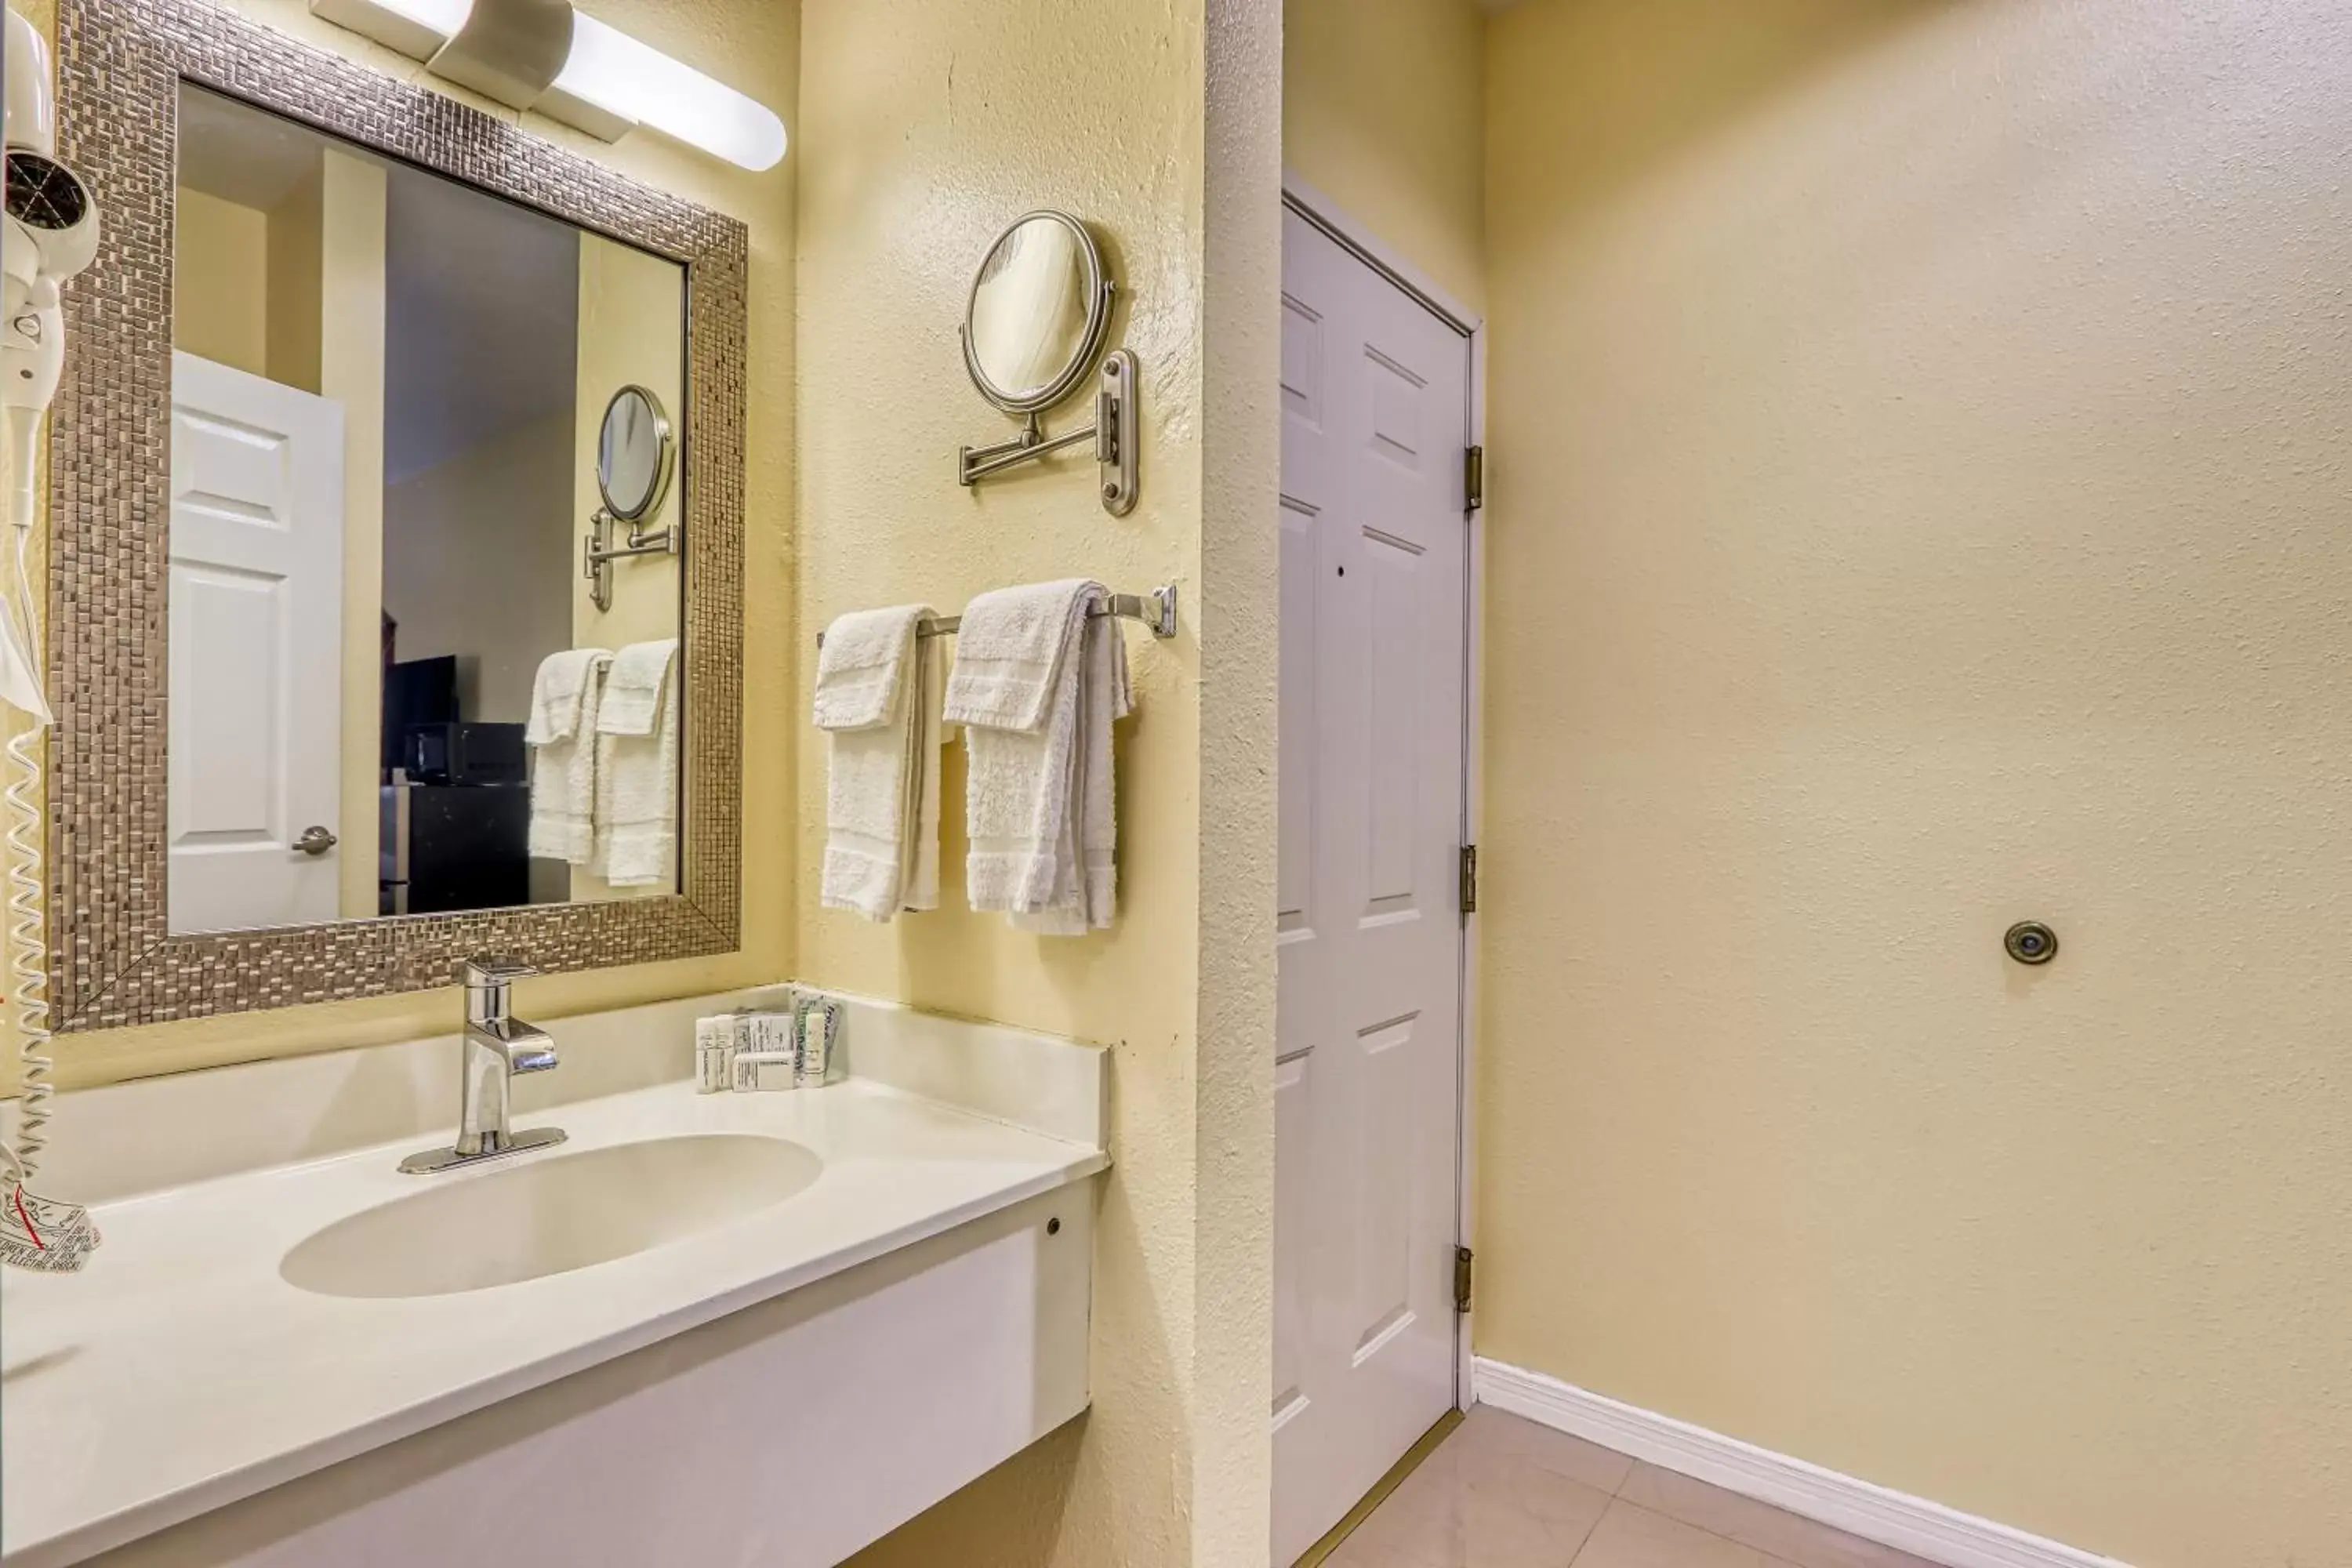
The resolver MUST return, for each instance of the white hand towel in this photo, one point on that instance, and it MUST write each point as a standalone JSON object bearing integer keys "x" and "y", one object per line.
{"x": 1085, "y": 873}
{"x": 877, "y": 695}
{"x": 1040, "y": 798}
{"x": 565, "y": 699}
{"x": 636, "y": 767}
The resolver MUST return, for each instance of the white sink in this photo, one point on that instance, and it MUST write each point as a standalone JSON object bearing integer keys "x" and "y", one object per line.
{"x": 548, "y": 1216}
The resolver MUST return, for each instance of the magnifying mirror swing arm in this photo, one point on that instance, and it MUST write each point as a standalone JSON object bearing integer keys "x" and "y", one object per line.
{"x": 1114, "y": 431}
{"x": 1113, "y": 434}
{"x": 597, "y": 552}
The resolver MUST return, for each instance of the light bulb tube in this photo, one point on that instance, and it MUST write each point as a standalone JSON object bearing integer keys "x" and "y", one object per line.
{"x": 637, "y": 82}
{"x": 446, "y": 17}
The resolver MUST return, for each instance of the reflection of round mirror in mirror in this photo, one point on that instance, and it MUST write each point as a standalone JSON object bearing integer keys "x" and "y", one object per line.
{"x": 634, "y": 454}
{"x": 1038, "y": 311}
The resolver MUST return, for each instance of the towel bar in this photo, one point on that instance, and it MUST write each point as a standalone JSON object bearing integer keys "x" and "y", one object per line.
{"x": 1155, "y": 609}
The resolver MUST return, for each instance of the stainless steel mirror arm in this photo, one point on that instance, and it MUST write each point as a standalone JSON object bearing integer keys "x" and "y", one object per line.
{"x": 1114, "y": 434}
{"x": 597, "y": 552}
{"x": 978, "y": 462}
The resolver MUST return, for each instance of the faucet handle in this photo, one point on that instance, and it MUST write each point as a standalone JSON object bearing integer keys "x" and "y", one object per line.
{"x": 488, "y": 969}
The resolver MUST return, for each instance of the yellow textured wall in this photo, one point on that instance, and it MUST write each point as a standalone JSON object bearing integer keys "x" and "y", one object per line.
{"x": 220, "y": 282}
{"x": 1919, "y": 434}
{"x": 754, "y": 46}
{"x": 297, "y": 267}
{"x": 342, "y": 343}
{"x": 927, "y": 129}
{"x": 1383, "y": 112}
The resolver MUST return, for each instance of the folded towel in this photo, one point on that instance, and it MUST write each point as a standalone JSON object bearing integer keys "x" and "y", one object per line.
{"x": 876, "y": 686}
{"x": 1040, "y": 802}
{"x": 564, "y": 701}
{"x": 636, "y": 767}
{"x": 1009, "y": 653}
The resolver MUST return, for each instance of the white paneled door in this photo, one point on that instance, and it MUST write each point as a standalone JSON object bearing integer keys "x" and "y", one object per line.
{"x": 1375, "y": 392}
{"x": 256, "y": 614}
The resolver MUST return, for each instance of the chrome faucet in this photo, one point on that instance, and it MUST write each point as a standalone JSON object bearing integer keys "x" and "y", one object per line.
{"x": 497, "y": 1046}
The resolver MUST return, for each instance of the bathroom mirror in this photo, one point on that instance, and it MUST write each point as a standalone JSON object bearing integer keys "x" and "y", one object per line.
{"x": 635, "y": 452}
{"x": 1033, "y": 328}
{"x": 1040, "y": 305}
{"x": 358, "y": 384}
{"x": 425, "y": 361}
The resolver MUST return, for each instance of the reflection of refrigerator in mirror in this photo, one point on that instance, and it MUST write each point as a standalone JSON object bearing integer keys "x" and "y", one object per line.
{"x": 455, "y": 822}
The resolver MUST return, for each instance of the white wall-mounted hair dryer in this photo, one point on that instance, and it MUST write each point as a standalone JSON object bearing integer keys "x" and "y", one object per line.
{"x": 50, "y": 234}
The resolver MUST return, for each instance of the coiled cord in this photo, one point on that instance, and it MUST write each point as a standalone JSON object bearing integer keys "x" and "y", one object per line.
{"x": 27, "y": 923}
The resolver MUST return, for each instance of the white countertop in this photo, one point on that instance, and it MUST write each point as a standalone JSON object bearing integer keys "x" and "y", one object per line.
{"x": 181, "y": 1373}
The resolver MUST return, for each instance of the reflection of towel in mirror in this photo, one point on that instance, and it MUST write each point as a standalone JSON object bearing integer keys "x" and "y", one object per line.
{"x": 1037, "y": 684}
{"x": 1032, "y": 308}
{"x": 561, "y": 735}
{"x": 877, "y": 697}
{"x": 636, "y": 767}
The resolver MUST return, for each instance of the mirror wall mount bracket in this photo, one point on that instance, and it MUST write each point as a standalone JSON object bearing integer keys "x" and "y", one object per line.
{"x": 1115, "y": 432}
{"x": 511, "y": 51}
{"x": 597, "y": 552}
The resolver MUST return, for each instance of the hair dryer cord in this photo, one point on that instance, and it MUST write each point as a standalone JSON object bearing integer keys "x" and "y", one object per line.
{"x": 27, "y": 922}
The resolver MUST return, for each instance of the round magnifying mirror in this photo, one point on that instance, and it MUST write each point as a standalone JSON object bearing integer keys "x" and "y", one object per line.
{"x": 634, "y": 454}
{"x": 1039, "y": 307}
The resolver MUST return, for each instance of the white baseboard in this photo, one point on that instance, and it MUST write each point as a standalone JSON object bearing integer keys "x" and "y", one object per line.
{"x": 1893, "y": 1519}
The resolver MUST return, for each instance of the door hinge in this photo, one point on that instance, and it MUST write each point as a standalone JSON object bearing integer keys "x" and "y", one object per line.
{"x": 1462, "y": 1260}
{"x": 1469, "y": 879}
{"x": 1473, "y": 478}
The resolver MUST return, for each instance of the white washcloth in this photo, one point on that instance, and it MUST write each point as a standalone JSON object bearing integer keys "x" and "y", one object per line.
{"x": 636, "y": 767}
{"x": 1009, "y": 653}
{"x": 876, "y": 685}
{"x": 564, "y": 699}
{"x": 632, "y": 691}
{"x": 1040, "y": 802}
{"x": 858, "y": 661}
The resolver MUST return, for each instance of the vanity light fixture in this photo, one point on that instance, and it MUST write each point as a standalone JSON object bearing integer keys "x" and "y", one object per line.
{"x": 543, "y": 55}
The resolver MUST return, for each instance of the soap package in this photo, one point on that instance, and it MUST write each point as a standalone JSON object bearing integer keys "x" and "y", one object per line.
{"x": 765, "y": 1058}
{"x": 764, "y": 1049}
{"x": 714, "y": 1045}
{"x": 816, "y": 1041}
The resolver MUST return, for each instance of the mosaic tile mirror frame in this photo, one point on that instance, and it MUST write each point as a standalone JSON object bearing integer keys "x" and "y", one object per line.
{"x": 115, "y": 961}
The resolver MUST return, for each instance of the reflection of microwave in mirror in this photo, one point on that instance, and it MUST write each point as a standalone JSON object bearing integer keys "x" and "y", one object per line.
{"x": 526, "y": 370}
{"x": 454, "y": 817}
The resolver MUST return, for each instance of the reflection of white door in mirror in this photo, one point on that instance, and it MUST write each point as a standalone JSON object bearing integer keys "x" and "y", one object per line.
{"x": 255, "y": 650}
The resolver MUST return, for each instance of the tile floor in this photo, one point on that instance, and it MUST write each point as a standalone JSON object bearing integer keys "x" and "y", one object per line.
{"x": 1502, "y": 1492}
